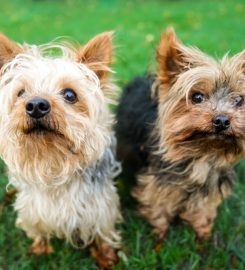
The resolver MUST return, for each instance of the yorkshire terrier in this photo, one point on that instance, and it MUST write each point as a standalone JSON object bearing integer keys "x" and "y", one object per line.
{"x": 183, "y": 130}
{"x": 56, "y": 139}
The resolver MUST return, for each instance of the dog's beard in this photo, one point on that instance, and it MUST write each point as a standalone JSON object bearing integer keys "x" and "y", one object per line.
{"x": 50, "y": 148}
{"x": 224, "y": 148}
{"x": 40, "y": 151}
{"x": 210, "y": 141}
{"x": 46, "y": 131}
{"x": 43, "y": 160}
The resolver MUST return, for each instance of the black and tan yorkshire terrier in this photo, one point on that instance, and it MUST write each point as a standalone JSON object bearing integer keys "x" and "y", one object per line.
{"x": 57, "y": 141}
{"x": 183, "y": 130}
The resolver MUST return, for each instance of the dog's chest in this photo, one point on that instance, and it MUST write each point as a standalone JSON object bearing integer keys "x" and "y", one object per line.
{"x": 61, "y": 211}
{"x": 195, "y": 177}
{"x": 83, "y": 201}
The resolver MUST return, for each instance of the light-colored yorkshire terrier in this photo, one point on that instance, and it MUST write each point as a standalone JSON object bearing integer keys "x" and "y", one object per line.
{"x": 186, "y": 131}
{"x": 57, "y": 142}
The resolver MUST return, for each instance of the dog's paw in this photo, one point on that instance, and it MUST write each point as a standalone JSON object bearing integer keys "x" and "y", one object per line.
{"x": 105, "y": 256}
{"x": 40, "y": 247}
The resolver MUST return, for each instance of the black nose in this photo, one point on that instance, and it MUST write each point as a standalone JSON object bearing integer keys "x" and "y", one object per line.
{"x": 221, "y": 122}
{"x": 37, "y": 107}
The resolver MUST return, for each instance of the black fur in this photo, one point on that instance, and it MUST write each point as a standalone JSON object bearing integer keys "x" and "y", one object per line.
{"x": 136, "y": 116}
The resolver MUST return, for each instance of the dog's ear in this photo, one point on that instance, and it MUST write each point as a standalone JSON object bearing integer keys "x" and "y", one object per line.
{"x": 238, "y": 62}
{"x": 170, "y": 57}
{"x": 97, "y": 54}
{"x": 8, "y": 49}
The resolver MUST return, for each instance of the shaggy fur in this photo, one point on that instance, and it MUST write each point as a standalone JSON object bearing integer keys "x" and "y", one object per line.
{"x": 62, "y": 164}
{"x": 187, "y": 168}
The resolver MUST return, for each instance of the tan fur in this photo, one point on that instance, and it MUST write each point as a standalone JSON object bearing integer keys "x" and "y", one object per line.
{"x": 104, "y": 254}
{"x": 185, "y": 135}
{"x": 54, "y": 171}
{"x": 40, "y": 246}
{"x": 160, "y": 203}
{"x": 8, "y": 49}
{"x": 97, "y": 54}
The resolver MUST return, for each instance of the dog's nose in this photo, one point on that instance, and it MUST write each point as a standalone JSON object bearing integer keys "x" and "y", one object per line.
{"x": 37, "y": 107}
{"x": 221, "y": 122}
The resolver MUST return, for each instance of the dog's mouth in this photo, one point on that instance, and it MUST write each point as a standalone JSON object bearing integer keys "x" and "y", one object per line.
{"x": 213, "y": 136}
{"x": 40, "y": 128}
{"x": 210, "y": 141}
{"x": 46, "y": 130}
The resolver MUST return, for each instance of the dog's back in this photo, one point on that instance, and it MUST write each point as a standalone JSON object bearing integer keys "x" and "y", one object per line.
{"x": 136, "y": 115}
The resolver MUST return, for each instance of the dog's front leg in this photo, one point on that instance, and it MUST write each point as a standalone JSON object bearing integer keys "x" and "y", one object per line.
{"x": 202, "y": 217}
{"x": 38, "y": 233}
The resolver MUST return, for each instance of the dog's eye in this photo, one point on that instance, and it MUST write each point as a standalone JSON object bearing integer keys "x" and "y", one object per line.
{"x": 69, "y": 95}
{"x": 239, "y": 100}
{"x": 21, "y": 93}
{"x": 197, "y": 98}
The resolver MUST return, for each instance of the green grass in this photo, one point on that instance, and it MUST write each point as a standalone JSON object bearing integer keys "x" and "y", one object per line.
{"x": 215, "y": 27}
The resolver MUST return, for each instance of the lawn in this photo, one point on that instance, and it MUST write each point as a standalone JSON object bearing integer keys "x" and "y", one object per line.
{"x": 215, "y": 27}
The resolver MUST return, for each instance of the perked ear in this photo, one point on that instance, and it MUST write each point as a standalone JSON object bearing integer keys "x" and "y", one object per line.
{"x": 8, "y": 49}
{"x": 170, "y": 57}
{"x": 97, "y": 54}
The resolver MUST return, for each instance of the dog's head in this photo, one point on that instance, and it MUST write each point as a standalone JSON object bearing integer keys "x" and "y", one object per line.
{"x": 53, "y": 109}
{"x": 201, "y": 103}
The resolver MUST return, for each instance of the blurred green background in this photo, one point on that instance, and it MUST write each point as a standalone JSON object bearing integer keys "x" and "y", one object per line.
{"x": 215, "y": 27}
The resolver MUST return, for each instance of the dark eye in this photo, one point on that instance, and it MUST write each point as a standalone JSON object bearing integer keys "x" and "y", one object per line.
{"x": 239, "y": 100}
{"x": 69, "y": 95}
{"x": 21, "y": 93}
{"x": 197, "y": 98}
